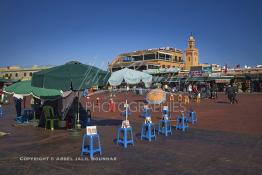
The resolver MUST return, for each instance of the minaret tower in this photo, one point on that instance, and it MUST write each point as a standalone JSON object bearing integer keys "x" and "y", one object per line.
{"x": 191, "y": 54}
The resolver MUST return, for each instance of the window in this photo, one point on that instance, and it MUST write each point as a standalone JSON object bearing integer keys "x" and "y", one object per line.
{"x": 31, "y": 74}
{"x": 25, "y": 74}
{"x": 16, "y": 75}
{"x": 149, "y": 56}
{"x": 168, "y": 57}
{"x": 161, "y": 56}
{"x": 140, "y": 68}
{"x": 176, "y": 58}
{"x": 163, "y": 66}
{"x": 188, "y": 58}
{"x": 168, "y": 66}
{"x": 153, "y": 66}
{"x": 138, "y": 58}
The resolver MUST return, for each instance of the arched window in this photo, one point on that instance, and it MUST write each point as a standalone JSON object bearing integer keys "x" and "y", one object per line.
{"x": 31, "y": 74}
{"x": 25, "y": 74}
{"x": 16, "y": 74}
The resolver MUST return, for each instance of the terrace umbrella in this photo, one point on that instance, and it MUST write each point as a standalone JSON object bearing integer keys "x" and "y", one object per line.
{"x": 70, "y": 76}
{"x": 156, "y": 96}
{"x": 130, "y": 77}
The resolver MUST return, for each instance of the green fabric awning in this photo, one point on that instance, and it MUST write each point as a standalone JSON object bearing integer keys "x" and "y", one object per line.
{"x": 4, "y": 80}
{"x": 24, "y": 88}
{"x": 201, "y": 79}
{"x": 70, "y": 76}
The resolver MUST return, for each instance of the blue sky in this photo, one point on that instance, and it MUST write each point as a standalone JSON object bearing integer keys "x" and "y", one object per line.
{"x": 53, "y": 32}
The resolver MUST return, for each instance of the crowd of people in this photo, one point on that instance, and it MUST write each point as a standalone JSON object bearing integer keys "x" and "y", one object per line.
{"x": 205, "y": 90}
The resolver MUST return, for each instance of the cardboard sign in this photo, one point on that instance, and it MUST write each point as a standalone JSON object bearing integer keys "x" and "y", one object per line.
{"x": 91, "y": 130}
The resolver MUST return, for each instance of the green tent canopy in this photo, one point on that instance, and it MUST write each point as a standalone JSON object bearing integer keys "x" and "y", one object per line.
{"x": 4, "y": 80}
{"x": 24, "y": 88}
{"x": 70, "y": 76}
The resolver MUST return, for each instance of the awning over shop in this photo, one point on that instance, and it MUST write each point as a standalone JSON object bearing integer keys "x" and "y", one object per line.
{"x": 199, "y": 79}
{"x": 158, "y": 79}
{"x": 224, "y": 79}
{"x": 24, "y": 88}
{"x": 4, "y": 80}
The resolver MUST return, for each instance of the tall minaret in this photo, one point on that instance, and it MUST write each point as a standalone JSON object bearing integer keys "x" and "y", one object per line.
{"x": 191, "y": 54}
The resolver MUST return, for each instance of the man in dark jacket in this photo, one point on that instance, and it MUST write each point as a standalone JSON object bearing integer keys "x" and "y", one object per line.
{"x": 18, "y": 108}
{"x": 230, "y": 93}
{"x": 234, "y": 98}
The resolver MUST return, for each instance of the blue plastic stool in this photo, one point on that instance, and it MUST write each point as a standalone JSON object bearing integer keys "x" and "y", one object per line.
{"x": 164, "y": 127}
{"x": 1, "y": 112}
{"x": 149, "y": 133}
{"x": 28, "y": 114}
{"x": 90, "y": 149}
{"x": 182, "y": 123}
{"x": 125, "y": 140}
{"x": 20, "y": 119}
{"x": 192, "y": 117}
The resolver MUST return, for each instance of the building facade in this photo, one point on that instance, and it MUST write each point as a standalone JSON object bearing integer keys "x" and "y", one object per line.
{"x": 20, "y": 73}
{"x": 158, "y": 58}
{"x": 191, "y": 54}
{"x": 165, "y": 57}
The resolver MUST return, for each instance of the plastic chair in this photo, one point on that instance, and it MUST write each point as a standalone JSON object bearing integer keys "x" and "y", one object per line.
{"x": 186, "y": 99}
{"x": 180, "y": 98}
{"x": 125, "y": 140}
{"x": 192, "y": 117}
{"x": 90, "y": 148}
{"x": 148, "y": 131}
{"x": 171, "y": 97}
{"x": 182, "y": 123}
{"x": 164, "y": 127}
{"x": 111, "y": 106}
{"x": 49, "y": 116}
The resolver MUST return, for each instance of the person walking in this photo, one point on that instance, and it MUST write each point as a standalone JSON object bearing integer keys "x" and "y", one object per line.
{"x": 234, "y": 96}
{"x": 230, "y": 93}
{"x": 18, "y": 102}
{"x": 189, "y": 89}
